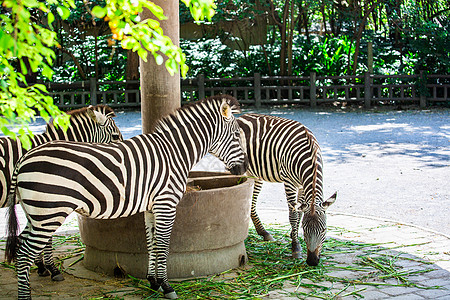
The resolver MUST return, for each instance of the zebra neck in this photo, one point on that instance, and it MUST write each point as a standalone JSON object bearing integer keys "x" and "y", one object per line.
{"x": 81, "y": 129}
{"x": 39, "y": 139}
{"x": 187, "y": 141}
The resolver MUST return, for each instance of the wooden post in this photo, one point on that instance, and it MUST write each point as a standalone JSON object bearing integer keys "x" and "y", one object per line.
{"x": 160, "y": 92}
{"x": 93, "y": 90}
{"x": 257, "y": 89}
{"x": 201, "y": 86}
{"x": 367, "y": 94}
{"x": 423, "y": 90}
{"x": 312, "y": 89}
{"x": 370, "y": 57}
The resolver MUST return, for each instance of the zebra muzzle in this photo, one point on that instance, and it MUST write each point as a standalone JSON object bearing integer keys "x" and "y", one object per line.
{"x": 312, "y": 258}
{"x": 240, "y": 168}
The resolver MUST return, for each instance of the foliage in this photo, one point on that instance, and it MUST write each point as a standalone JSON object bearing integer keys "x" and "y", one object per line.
{"x": 111, "y": 59}
{"x": 407, "y": 36}
{"x": 429, "y": 44}
{"x": 323, "y": 55}
{"x": 27, "y": 46}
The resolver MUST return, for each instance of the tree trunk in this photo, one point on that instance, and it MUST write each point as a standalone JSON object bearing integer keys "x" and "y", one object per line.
{"x": 132, "y": 73}
{"x": 160, "y": 92}
{"x": 30, "y": 76}
{"x": 283, "y": 31}
{"x": 359, "y": 34}
{"x": 290, "y": 39}
{"x": 96, "y": 55}
{"x": 76, "y": 62}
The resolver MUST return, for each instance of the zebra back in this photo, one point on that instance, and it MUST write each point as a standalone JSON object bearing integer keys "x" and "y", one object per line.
{"x": 315, "y": 164}
{"x": 92, "y": 124}
{"x": 283, "y": 150}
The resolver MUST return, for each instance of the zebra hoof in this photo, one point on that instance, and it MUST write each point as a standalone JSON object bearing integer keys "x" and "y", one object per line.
{"x": 58, "y": 277}
{"x": 171, "y": 295}
{"x": 296, "y": 254}
{"x": 268, "y": 238}
{"x": 44, "y": 273}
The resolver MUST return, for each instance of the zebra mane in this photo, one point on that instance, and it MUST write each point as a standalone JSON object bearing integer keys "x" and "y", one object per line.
{"x": 314, "y": 149}
{"x": 75, "y": 113}
{"x": 232, "y": 102}
{"x": 104, "y": 109}
{"x": 165, "y": 121}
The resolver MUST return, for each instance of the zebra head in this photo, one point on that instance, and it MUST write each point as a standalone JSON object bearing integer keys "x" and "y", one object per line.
{"x": 230, "y": 144}
{"x": 105, "y": 129}
{"x": 314, "y": 225}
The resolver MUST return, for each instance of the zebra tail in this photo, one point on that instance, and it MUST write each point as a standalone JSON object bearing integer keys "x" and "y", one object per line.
{"x": 12, "y": 242}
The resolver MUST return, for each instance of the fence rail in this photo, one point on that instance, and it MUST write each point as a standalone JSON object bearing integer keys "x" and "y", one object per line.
{"x": 367, "y": 89}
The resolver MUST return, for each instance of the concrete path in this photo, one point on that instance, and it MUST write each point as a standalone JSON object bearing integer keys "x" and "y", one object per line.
{"x": 393, "y": 165}
{"x": 408, "y": 242}
{"x": 415, "y": 249}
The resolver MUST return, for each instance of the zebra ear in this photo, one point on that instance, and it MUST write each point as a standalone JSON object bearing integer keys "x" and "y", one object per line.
{"x": 302, "y": 206}
{"x": 96, "y": 116}
{"x": 329, "y": 201}
{"x": 225, "y": 110}
{"x": 243, "y": 141}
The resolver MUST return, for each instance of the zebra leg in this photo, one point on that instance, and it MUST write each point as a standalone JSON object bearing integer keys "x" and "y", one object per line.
{"x": 294, "y": 218}
{"x": 45, "y": 264}
{"x": 39, "y": 262}
{"x": 48, "y": 261}
{"x": 164, "y": 218}
{"x": 31, "y": 244}
{"x": 149, "y": 219}
{"x": 256, "y": 221}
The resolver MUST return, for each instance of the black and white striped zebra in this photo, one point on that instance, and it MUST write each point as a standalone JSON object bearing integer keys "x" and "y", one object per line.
{"x": 282, "y": 150}
{"x": 93, "y": 124}
{"x": 147, "y": 173}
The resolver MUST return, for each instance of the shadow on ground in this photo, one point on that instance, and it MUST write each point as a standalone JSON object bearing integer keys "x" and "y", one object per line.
{"x": 349, "y": 269}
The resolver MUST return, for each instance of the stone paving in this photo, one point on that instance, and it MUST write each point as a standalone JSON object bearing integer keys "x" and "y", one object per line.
{"x": 416, "y": 249}
{"x": 411, "y": 244}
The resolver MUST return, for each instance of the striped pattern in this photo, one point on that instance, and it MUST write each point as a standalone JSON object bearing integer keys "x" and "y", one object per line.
{"x": 89, "y": 124}
{"x": 282, "y": 150}
{"x": 92, "y": 124}
{"x": 147, "y": 173}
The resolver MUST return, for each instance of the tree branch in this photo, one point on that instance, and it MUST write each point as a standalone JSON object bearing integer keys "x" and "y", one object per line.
{"x": 75, "y": 60}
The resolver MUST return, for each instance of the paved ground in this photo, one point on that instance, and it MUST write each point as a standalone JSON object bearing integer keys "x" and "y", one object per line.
{"x": 389, "y": 165}
{"x": 407, "y": 242}
{"x": 413, "y": 248}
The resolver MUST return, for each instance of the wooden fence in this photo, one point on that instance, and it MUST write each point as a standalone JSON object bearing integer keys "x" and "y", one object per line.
{"x": 368, "y": 90}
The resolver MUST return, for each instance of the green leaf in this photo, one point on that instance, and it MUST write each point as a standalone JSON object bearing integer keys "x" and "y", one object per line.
{"x": 184, "y": 70}
{"x": 153, "y": 23}
{"x": 25, "y": 139}
{"x": 156, "y": 10}
{"x": 30, "y": 3}
{"x": 171, "y": 66}
{"x": 47, "y": 71}
{"x": 63, "y": 12}
{"x": 50, "y": 18}
{"x": 159, "y": 59}
{"x": 23, "y": 68}
{"x": 99, "y": 12}
{"x": 142, "y": 54}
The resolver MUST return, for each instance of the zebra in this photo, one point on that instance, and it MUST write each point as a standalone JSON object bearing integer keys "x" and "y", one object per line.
{"x": 92, "y": 124}
{"x": 147, "y": 173}
{"x": 282, "y": 150}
